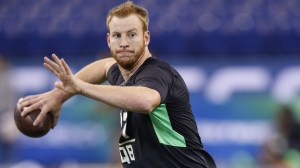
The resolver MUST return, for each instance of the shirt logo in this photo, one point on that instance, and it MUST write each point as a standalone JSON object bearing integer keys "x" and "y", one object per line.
{"x": 126, "y": 151}
{"x": 123, "y": 122}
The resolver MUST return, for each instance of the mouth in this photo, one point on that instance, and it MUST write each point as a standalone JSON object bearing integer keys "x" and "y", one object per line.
{"x": 124, "y": 53}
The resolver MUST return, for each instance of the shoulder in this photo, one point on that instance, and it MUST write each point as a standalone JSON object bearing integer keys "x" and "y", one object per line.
{"x": 153, "y": 65}
{"x": 156, "y": 63}
{"x": 154, "y": 69}
{"x": 113, "y": 73}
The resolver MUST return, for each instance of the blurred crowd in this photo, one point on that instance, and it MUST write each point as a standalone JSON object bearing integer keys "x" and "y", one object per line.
{"x": 282, "y": 149}
{"x": 195, "y": 28}
{"x": 8, "y": 97}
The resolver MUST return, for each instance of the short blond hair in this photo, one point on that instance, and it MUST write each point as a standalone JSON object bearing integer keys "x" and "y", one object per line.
{"x": 127, "y": 8}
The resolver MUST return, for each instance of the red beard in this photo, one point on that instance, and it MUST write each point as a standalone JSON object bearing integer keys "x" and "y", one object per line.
{"x": 128, "y": 62}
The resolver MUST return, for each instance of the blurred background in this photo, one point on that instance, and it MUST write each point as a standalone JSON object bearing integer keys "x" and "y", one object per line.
{"x": 239, "y": 58}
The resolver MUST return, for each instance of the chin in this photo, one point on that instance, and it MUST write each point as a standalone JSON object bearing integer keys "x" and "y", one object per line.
{"x": 126, "y": 63}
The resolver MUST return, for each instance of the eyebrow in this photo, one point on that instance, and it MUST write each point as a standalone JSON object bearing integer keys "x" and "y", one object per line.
{"x": 134, "y": 29}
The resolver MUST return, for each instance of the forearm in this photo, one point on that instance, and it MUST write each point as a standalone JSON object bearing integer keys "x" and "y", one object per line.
{"x": 132, "y": 98}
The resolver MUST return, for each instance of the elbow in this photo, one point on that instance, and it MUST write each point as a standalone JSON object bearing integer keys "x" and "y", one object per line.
{"x": 150, "y": 104}
{"x": 146, "y": 102}
{"x": 146, "y": 108}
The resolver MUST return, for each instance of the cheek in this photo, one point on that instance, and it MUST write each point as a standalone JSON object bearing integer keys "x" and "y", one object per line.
{"x": 138, "y": 43}
{"x": 113, "y": 43}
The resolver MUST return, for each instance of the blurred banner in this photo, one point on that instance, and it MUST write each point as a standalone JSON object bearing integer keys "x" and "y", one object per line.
{"x": 235, "y": 106}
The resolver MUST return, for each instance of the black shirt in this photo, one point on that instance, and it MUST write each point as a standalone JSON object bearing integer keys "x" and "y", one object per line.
{"x": 166, "y": 137}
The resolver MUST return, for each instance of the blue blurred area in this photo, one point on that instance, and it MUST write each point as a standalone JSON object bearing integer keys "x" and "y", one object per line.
{"x": 195, "y": 27}
{"x": 240, "y": 60}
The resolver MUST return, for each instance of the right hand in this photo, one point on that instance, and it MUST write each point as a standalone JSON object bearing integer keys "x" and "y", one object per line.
{"x": 69, "y": 82}
{"x": 49, "y": 102}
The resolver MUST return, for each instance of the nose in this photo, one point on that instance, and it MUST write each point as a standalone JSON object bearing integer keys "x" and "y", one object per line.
{"x": 124, "y": 43}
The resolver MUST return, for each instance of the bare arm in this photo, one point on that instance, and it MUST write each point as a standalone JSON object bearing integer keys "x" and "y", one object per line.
{"x": 136, "y": 99}
{"x": 52, "y": 101}
{"x": 133, "y": 98}
{"x": 96, "y": 71}
{"x": 93, "y": 73}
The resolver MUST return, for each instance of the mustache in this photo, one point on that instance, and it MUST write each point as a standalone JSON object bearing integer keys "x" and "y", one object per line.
{"x": 119, "y": 51}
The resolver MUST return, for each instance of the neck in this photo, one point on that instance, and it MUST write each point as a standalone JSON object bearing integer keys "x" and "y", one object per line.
{"x": 128, "y": 73}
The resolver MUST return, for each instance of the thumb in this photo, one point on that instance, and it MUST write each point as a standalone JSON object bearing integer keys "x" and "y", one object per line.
{"x": 59, "y": 85}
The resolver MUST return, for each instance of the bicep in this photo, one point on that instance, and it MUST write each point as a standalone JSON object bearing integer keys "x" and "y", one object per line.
{"x": 96, "y": 72}
{"x": 109, "y": 62}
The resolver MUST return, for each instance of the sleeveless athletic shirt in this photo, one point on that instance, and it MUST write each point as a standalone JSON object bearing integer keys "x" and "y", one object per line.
{"x": 166, "y": 137}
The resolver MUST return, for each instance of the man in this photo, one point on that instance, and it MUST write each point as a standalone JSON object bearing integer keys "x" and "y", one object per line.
{"x": 8, "y": 95}
{"x": 158, "y": 127}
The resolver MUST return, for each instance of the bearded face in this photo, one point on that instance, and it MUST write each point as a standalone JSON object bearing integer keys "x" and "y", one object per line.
{"x": 126, "y": 40}
{"x": 128, "y": 58}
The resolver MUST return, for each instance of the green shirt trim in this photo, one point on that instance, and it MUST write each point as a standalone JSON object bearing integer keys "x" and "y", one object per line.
{"x": 163, "y": 129}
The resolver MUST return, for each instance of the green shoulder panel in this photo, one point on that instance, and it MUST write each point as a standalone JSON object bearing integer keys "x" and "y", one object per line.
{"x": 163, "y": 128}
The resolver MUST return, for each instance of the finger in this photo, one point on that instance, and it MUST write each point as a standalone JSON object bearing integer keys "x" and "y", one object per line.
{"x": 50, "y": 68}
{"x": 29, "y": 109}
{"x": 59, "y": 63}
{"x": 41, "y": 117}
{"x": 55, "y": 57}
{"x": 66, "y": 67}
{"x": 28, "y": 101}
{"x": 51, "y": 63}
{"x": 28, "y": 98}
{"x": 18, "y": 104}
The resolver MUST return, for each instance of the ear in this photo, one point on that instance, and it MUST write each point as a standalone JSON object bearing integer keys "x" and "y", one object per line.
{"x": 147, "y": 38}
{"x": 108, "y": 40}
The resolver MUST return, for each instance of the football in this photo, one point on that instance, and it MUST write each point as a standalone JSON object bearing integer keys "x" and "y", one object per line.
{"x": 25, "y": 124}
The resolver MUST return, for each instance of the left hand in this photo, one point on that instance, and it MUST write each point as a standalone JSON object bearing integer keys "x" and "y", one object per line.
{"x": 69, "y": 82}
{"x": 49, "y": 102}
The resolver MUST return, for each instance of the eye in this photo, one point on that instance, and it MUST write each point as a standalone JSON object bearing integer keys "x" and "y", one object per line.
{"x": 116, "y": 35}
{"x": 132, "y": 34}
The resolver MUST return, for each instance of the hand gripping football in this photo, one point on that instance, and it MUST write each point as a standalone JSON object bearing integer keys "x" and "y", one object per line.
{"x": 25, "y": 124}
